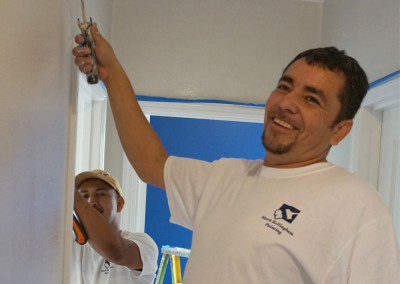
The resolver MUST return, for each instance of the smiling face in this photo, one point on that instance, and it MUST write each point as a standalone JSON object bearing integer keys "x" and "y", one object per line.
{"x": 102, "y": 197}
{"x": 299, "y": 116}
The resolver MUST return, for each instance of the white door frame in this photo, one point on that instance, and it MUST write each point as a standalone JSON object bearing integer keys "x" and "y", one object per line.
{"x": 366, "y": 135}
{"x": 86, "y": 148}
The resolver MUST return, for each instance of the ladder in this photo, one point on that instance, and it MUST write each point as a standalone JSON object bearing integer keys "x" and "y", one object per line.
{"x": 173, "y": 254}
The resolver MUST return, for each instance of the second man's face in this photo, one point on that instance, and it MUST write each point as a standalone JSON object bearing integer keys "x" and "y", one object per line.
{"x": 102, "y": 197}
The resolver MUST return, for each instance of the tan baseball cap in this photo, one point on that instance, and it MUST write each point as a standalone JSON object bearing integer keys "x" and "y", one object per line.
{"x": 99, "y": 174}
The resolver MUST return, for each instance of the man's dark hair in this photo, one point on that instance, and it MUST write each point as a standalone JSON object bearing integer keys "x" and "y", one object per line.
{"x": 356, "y": 81}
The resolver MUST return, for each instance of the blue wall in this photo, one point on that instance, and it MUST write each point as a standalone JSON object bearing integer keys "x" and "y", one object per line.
{"x": 201, "y": 139}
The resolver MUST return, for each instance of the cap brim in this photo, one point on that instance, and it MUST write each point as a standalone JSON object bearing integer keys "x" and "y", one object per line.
{"x": 90, "y": 175}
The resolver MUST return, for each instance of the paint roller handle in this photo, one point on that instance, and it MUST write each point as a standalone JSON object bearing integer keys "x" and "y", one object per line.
{"x": 79, "y": 231}
{"x": 93, "y": 76}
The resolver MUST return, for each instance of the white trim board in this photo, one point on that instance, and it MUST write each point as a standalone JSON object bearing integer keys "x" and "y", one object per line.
{"x": 212, "y": 111}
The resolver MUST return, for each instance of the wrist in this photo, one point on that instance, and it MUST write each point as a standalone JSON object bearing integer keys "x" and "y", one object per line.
{"x": 112, "y": 72}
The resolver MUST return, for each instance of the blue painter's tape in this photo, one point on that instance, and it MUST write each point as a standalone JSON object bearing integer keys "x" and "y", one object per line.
{"x": 385, "y": 79}
{"x": 163, "y": 99}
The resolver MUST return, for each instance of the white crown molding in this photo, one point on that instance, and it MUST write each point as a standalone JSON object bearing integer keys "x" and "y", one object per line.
{"x": 383, "y": 96}
{"x": 204, "y": 111}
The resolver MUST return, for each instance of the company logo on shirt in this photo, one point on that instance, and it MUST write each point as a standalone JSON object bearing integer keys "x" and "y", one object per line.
{"x": 106, "y": 267}
{"x": 287, "y": 213}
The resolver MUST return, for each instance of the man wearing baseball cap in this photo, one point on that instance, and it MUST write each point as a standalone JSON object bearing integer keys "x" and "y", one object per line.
{"x": 111, "y": 255}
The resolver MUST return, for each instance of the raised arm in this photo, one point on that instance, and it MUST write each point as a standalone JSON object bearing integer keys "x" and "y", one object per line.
{"x": 141, "y": 144}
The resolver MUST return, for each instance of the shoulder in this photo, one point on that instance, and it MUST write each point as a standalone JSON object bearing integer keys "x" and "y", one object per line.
{"x": 148, "y": 253}
{"x": 351, "y": 182}
{"x": 359, "y": 193}
{"x": 147, "y": 247}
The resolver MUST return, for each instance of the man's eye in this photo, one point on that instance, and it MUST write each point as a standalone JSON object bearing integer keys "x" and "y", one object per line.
{"x": 282, "y": 87}
{"x": 312, "y": 100}
{"x": 85, "y": 196}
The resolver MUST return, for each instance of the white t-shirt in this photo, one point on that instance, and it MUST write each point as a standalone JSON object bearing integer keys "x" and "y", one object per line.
{"x": 87, "y": 266}
{"x": 255, "y": 224}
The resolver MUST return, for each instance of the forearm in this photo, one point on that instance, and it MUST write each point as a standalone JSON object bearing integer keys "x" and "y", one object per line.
{"x": 141, "y": 144}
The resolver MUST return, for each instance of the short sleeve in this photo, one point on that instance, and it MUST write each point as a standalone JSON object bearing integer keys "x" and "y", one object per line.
{"x": 185, "y": 180}
{"x": 148, "y": 253}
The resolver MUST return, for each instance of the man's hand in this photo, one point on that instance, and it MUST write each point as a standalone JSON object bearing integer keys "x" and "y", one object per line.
{"x": 106, "y": 58}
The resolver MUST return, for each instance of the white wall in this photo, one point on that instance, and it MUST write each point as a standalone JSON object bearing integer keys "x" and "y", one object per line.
{"x": 369, "y": 30}
{"x": 101, "y": 11}
{"x": 36, "y": 150}
{"x": 35, "y": 72}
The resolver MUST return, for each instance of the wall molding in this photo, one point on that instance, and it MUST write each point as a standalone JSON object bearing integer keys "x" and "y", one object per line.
{"x": 383, "y": 96}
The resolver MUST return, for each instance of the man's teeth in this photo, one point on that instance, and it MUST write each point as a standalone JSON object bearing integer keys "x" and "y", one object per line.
{"x": 284, "y": 124}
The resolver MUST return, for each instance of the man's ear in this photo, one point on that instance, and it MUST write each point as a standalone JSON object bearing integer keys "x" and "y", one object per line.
{"x": 120, "y": 203}
{"x": 340, "y": 131}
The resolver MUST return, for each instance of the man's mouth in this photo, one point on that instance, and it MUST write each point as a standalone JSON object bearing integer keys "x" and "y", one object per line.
{"x": 284, "y": 124}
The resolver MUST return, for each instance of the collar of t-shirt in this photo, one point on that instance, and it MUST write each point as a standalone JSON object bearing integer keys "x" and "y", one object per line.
{"x": 293, "y": 172}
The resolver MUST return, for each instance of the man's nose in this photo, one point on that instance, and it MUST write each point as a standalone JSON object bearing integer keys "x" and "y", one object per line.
{"x": 290, "y": 102}
{"x": 92, "y": 199}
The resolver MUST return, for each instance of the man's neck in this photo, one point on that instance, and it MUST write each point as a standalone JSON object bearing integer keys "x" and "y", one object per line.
{"x": 116, "y": 226}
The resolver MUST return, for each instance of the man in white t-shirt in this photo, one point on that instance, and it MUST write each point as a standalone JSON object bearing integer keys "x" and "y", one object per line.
{"x": 290, "y": 218}
{"x": 111, "y": 255}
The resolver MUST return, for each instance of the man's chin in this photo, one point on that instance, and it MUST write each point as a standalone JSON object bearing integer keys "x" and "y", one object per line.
{"x": 278, "y": 149}
{"x": 275, "y": 148}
